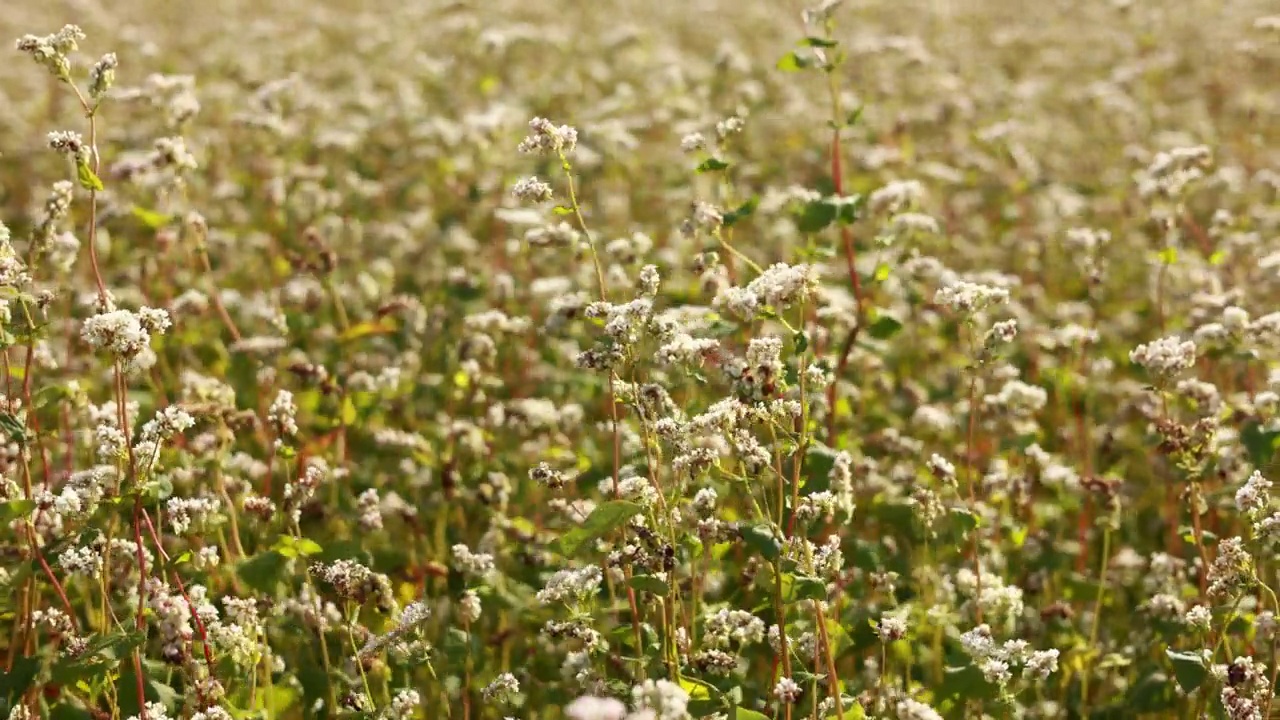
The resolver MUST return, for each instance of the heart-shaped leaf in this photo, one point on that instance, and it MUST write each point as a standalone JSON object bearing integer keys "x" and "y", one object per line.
{"x": 604, "y": 519}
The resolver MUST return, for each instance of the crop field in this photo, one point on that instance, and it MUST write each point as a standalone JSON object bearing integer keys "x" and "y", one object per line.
{"x": 623, "y": 360}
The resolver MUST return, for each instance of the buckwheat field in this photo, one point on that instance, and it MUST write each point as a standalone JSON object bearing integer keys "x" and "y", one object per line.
{"x": 618, "y": 360}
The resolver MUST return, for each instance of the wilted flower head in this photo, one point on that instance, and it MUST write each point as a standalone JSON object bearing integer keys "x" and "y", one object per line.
{"x": 51, "y": 50}
{"x": 102, "y": 76}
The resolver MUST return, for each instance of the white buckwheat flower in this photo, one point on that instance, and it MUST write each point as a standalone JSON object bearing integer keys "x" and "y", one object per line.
{"x": 1041, "y": 663}
{"x": 283, "y": 414}
{"x": 895, "y": 196}
{"x": 531, "y": 189}
{"x": 1232, "y": 571}
{"x": 596, "y": 708}
{"x": 666, "y": 700}
{"x": 570, "y": 585}
{"x": 890, "y": 628}
{"x": 545, "y": 138}
{"x": 909, "y": 709}
{"x": 469, "y": 606}
{"x": 472, "y": 563}
{"x": 787, "y": 690}
{"x": 1198, "y": 617}
{"x": 502, "y": 689}
{"x": 1254, "y": 496}
{"x": 1165, "y": 357}
{"x": 693, "y": 142}
{"x": 70, "y": 144}
{"x": 123, "y": 333}
{"x": 967, "y": 297}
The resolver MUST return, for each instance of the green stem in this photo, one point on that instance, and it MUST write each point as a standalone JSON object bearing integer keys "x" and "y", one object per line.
{"x": 1097, "y": 611}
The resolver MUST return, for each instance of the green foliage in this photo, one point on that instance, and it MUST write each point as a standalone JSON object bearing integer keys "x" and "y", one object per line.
{"x": 602, "y": 520}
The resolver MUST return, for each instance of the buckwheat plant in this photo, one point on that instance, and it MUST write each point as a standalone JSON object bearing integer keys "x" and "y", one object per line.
{"x": 639, "y": 361}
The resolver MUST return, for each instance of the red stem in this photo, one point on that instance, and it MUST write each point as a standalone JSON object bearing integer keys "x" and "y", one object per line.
{"x": 851, "y": 262}
{"x": 204, "y": 637}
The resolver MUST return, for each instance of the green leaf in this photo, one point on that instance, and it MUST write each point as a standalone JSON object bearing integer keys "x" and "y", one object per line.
{"x": 349, "y": 412}
{"x": 1113, "y": 660}
{"x": 312, "y": 677}
{"x": 157, "y": 489}
{"x": 820, "y": 42}
{"x": 116, "y": 645}
{"x": 1260, "y": 445}
{"x": 89, "y": 180}
{"x": 1152, "y": 694}
{"x": 67, "y": 711}
{"x": 1169, "y": 256}
{"x": 808, "y": 588}
{"x": 702, "y": 708}
{"x": 649, "y": 584}
{"x": 816, "y": 216}
{"x": 562, "y": 210}
{"x": 155, "y": 691}
{"x": 50, "y": 394}
{"x": 602, "y": 520}
{"x": 150, "y": 218}
{"x": 745, "y": 714}
{"x": 290, "y": 547}
{"x": 457, "y": 644}
{"x": 345, "y": 550}
{"x": 1188, "y": 668}
{"x": 263, "y": 572}
{"x": 307, "y": 546}
{"x": 741, "y": 212}
{"x": 791, "y": 62}
{"x": 101, "y": 655}
{"x": 801, "y": 339}
{"x": 762, "y": 539}
{"x": 15, "y": 682}
{"x": 697, "y": 689}
{"x": 849, "y": 208}
{"x": 692, "y": 545}
{"x": 365, "y": 329}
{"x": 15, "y": 509}
{"x": 857, "y": 712}
{"x": 13, "y": 427}
{"x": 967, "y": 683}
{"x": 884, "y": 327}
{"x": 712, "y": 165}
{"x": 964, "y": 519}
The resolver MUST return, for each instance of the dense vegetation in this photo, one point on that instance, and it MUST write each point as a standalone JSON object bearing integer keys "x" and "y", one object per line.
{"x": 612, "y": 360}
